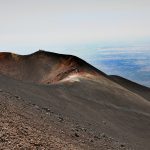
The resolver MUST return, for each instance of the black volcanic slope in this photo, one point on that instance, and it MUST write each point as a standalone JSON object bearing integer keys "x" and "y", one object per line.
{"x": 54, "y": 101}
{"x": 132, "y": 86}
{"x": 43, "y": 67}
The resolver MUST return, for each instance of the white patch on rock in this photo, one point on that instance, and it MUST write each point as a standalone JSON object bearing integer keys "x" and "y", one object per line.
{"x": 72, "y": 78}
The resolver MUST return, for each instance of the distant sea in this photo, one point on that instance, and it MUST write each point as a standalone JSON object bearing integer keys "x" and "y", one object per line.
{"x": 132, "y": 63}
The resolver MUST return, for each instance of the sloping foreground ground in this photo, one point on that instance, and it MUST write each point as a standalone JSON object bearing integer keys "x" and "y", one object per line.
{"x": 27, "y": 126}
{"x": 44, "y": 67}
{"x": 72, "y": 115}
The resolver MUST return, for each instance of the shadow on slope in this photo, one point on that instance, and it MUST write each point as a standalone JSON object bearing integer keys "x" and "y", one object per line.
{"x": 44, "y": 67}
{"x": 132, "y": 86}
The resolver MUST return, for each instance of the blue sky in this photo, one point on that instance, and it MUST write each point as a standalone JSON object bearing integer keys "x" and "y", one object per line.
{"x": 113, "y": 35}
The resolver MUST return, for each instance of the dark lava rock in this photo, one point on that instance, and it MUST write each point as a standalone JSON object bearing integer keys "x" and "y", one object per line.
{"x": 76, "y": 135}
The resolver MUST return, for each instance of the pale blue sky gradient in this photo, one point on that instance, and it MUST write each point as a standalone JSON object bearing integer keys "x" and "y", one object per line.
{"x": 32, "y": 24}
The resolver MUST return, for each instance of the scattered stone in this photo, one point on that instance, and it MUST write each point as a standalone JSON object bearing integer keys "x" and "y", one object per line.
{"x": 62, "y": 132}
{"x": 76, "y": 134}
{"x": 91, "y": 140}
{"x": 61, "y": 119}
{"x": 48, "y": 110}
{"x": 38, "y": 144}
{"x": 96, "y": 137}
{"x": 103, "y": 135}
{"x": 84, "y": 129}
{"x": 1, "y": 134}
{"x": 16, "y": 96}
{"x": 3, "y": 139}
{"x": 36, "y": 106}
{"x": 1, "y": 90}
{"x": 77, "y": 129}
{"x": 104, "y": 122}
{"x": 122, "y": 145}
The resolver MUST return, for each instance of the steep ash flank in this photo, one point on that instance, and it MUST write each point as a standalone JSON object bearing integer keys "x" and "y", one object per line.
{"x": 43, "y": 67}
{"x": 132, "y": 86}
